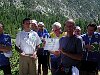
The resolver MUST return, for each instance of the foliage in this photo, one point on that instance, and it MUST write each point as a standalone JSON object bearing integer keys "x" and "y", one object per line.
{"x": 14, "y": 60}
{"x": 12, "y": 19}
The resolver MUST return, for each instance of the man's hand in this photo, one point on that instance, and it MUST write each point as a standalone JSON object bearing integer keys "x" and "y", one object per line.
{"x": 63, "y": 52}
{"x": 44, "y": 42}
{"x": 23, "y": 54}
{"x": 5, "y": 48}
{"x": 34, "y": 55}
{"x": 89, "y": 47}
{"x": 56, "y": 53}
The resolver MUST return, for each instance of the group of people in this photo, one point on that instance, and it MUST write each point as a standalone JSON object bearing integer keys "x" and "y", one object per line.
{"x": 74, "y": 48}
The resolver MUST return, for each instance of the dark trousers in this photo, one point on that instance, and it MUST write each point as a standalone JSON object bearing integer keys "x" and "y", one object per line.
{"x": 88, "y": 73}
{"x": 43, "y": 60}
{"x": 6, "y": 69}
{"x": 63, "y": 70}
{"x": 88, "y": 68}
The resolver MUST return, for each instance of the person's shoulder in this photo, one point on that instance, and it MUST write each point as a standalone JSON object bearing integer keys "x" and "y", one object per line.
{"x": 7, "y": 35}
{"x": 97, "y": 35}
{"x": 52, "y": 34}
{"x": 62, "y": 34}
{"x": 63, "y": 38}
{"x": 83, "y": 35}
{"x": 79, "y": 37}
{"x": 45, "y": 30}
{"x": 33, "y": 33}
{"x": 20, "y": 33}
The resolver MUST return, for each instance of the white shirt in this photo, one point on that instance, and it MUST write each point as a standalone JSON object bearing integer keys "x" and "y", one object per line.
{"x": 27, "y": 41}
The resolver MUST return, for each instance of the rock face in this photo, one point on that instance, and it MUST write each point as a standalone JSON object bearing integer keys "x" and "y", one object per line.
{"x": 86, "y": 9}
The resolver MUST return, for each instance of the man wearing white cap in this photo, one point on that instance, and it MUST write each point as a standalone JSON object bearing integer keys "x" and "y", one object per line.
{"x": 34, "y": 25}
{"x": 43, "y": 55}
{"x": 55, "y": 57}
{"x": 77, "y": 31}
{"x": 5, "y": 47}
{"x": 98, "y": 28}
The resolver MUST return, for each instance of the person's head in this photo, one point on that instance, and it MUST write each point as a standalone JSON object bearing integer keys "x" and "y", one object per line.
{"x": 26, "y": 24}
{"x": 69, "y": 26}
{"x": 56, "y": 27}
{"x": 34, "y": 25}
{"x": 77, "y": 30}
{"x": 41, "y": 25}
{"x": 91, "y": 28}
{"x": 98, "y": 28}
{"x": 1, "y": 28}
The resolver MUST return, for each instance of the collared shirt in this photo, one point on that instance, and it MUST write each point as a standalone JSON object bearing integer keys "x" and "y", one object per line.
{"x": 91, "y": 39}
{"x": 5, "y": 40}
{"x": 27, "y": 41}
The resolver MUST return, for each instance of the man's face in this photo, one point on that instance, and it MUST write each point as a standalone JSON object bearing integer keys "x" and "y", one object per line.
{"x": 33, "y": 26}
{"x": 26, "y": 25}
{"x": 69, "y": 27}
{"x": 77, "y": 32}
{"x": 90, "y": 30}
{"x": 41, "y": 27}
{"x": 56, "y": 29}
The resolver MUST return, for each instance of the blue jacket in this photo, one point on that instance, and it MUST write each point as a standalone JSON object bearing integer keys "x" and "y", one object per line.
{"x": 95, "y": 38}
{"x": 44, "y": 33}
{"x": 5, "y": 40}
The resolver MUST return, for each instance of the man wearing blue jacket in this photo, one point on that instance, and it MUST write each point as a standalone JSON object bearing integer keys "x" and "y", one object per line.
{"x": 43, "y": 55}
{"x": 91, "y": 53}
{"x": 5, "y": 46}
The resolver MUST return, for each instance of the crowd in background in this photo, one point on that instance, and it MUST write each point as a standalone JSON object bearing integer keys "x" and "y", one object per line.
{"x": 75, "y": 49}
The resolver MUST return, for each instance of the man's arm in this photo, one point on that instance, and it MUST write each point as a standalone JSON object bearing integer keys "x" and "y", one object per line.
{"x": 5, "y": 48}
{"x": 38, "y": 46}
{"x": 17, "y": 49}
{"x": 73, "y": 56}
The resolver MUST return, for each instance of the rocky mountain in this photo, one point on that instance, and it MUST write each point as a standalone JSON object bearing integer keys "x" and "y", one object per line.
{"x": 86, "y": 9}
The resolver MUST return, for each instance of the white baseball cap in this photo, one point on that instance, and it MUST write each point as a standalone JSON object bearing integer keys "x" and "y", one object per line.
{"x": 34, "y": 21}
{"x": 77, "y": 27}
{"x": 57, "y": 24}
{"x": 98, "y": 26}
{"x": 41, "y": 23}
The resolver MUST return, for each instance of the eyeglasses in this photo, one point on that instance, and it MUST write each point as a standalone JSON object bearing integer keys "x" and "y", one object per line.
{"x": 56, "y": 29}
{"x": 40, "y": 26}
